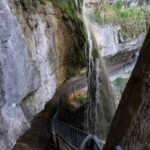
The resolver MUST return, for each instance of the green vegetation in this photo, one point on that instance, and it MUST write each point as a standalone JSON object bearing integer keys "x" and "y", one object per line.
{"x": 40, "y": 1}
{"x": 28, "y": 4}
{"x": 134, "y": 21}
{"x": 119, "y": 81}
{"x": 119, "y": 85}
{"x": 79, "y": 99}
{"x": 75, "y": 54}
{"x": 75, "y": 57}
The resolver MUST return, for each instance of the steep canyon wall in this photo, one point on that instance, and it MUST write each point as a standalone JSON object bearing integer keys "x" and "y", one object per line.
{"x": 37, "y": 48}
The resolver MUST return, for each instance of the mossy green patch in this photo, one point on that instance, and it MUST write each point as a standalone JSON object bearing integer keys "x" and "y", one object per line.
{"x": 119, "y": 85}
{"x": 95, "y": 52}
{"x": 75, "y": 57}
{"x": 79, "y": 99}
{"x": 75, "y": 53}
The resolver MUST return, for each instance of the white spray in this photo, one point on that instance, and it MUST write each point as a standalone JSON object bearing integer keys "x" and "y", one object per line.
{"x": 87, "y": 25}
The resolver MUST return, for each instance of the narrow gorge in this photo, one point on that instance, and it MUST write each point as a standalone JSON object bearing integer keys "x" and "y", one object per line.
{"x": 66, "y": 79}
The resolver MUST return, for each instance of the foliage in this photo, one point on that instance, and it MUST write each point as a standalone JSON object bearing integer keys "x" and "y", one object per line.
{"x": 79, "y": 99}
{"x": 119, "y": 81}
{"x": 118, "y": 5}
{"x": 134, "y": 21}
{"x": 75, "y": 54}
{"x": 40, "y": 1}
{"x": 75, "y": 57}
{"x": 119, "y": 85}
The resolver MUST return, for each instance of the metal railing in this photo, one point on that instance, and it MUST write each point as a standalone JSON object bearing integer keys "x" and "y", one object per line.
{"x": 58, "y": 109}
{"x": 72, "y": 136}
{"x": 77, "y": 139}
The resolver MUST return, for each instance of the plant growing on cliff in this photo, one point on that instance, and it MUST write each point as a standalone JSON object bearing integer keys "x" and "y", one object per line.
{"x": 75, "y": 55}
{"x": 40, "y": 1}
{"x": 119, "y": 85}
{"x": 76, "y": 35}
{"x": 134, "y": 21}
{"x": 118, "y": 5}
{"x": 79, "y": 99}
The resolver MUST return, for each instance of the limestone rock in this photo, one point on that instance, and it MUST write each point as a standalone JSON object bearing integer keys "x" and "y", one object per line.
{"x": 111, "y": 34}
{"x": 19, "y": 78}
{"x": 32, "y": 63}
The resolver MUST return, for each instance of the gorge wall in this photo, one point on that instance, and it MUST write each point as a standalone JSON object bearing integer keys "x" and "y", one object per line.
{"x": 18, "y": 80}
{"x": 111, "y": 34}
{"x": 41, "y": 47}
{"x": 40, "y": 50}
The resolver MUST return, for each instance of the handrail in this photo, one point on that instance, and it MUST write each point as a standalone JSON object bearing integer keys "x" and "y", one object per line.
{"x": 75, "y": 137}
{"x": 71, "y": 135}
{"x": 58, "y": 109}
{"x": 69, "y": 126}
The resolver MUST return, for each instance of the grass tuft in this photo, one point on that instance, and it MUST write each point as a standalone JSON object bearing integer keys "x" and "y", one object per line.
{"x": 79, "y": 99}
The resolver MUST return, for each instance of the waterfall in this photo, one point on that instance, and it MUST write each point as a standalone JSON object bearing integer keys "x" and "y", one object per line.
{"x": 100, "y": 101}
{"x": 87, "y": 26}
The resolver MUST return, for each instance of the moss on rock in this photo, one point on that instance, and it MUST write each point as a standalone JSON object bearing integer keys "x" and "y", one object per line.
{"x": 76, "y": 35}
{"x": 75, "y": 56}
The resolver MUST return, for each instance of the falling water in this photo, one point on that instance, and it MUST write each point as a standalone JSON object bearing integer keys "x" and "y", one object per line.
{"x": 100, "y": 108}
{"x": 87, "y": 26}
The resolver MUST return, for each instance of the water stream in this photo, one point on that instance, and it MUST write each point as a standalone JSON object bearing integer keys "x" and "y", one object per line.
{"x": 87, "y": 26}
{"x": 100, "y": 101}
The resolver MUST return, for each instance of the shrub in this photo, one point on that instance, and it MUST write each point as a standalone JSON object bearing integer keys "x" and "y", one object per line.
{"x": 79, "y": 99}
{"x": 40, "y": 1}
{"x": 118, "y": 5}
{"x": 134, "y": 21}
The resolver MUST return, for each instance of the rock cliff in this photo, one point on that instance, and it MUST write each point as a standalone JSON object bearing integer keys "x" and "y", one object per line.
{"x": 111, "y": 34}
{"x": 41, "y": 47}
{"x": 19, "y": 78}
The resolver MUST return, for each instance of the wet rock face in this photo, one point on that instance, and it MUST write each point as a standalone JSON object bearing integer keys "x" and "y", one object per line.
{"x": 101, "y": 103}
{"x": 31, "y": 68}
{"x": 19, "y": 77}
